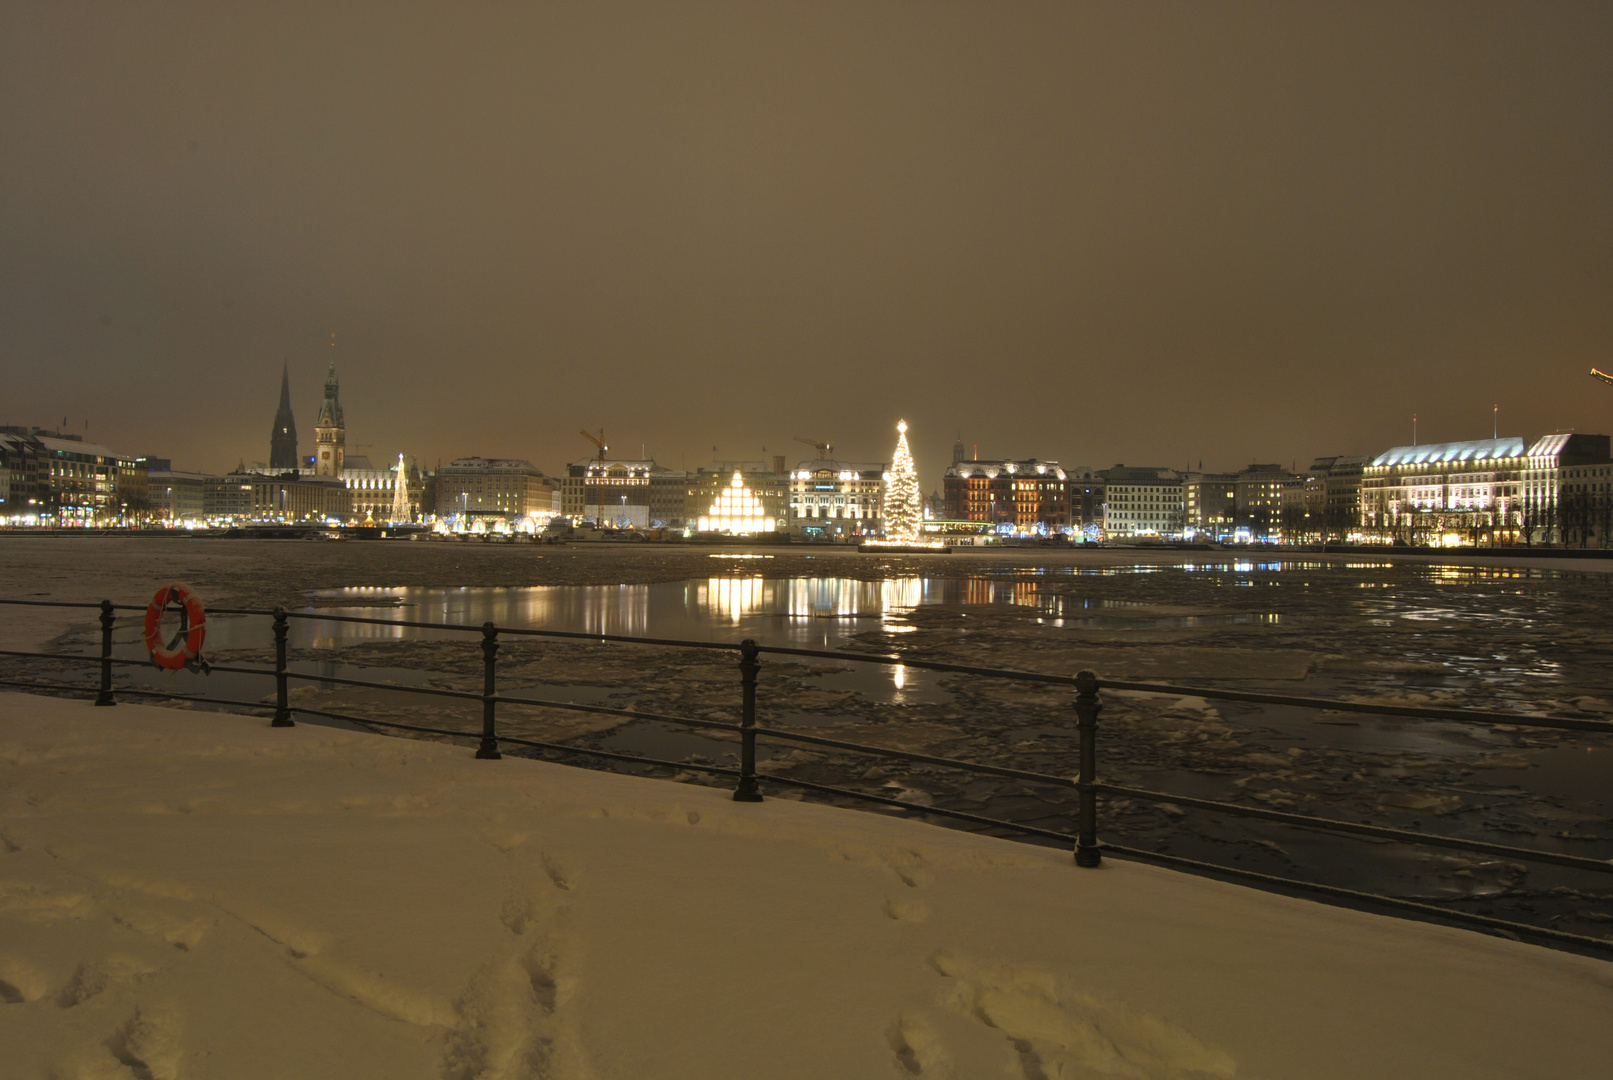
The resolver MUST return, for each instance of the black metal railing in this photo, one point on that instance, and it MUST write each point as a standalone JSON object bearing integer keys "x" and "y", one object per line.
{"x": 1087, "y": 703}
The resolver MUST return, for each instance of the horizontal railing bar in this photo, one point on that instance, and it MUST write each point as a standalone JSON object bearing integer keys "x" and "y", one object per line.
{"x": 165, "y": 694}
{"x": 516, "y": 740}
{"x": 170, "y": 695}
{"x": 609, "y": 710}
{"x": 51, "y": 603}
{"x": 1365, "y": 897}
{"x": 909, "y": 755}
{"x": 962, "y": 815}
{"x": 450, "y": 732}
{"x": 1333, "y": 825}
{"x": 522, "y": 631}
{"x": 1380, "y": 709}
{"x": 463, "y": 695}
{"x": 59, "y": 656}
{"x": 614, "y": 755}
{"x": 1208, "y": 692}
{"x": 675, "y": 642}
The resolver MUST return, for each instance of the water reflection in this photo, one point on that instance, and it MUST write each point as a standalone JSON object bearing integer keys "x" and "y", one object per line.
{"x": 820, "y": 612}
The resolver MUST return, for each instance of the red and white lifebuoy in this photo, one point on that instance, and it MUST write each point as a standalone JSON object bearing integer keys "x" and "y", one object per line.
{"x": 185, "y": 647}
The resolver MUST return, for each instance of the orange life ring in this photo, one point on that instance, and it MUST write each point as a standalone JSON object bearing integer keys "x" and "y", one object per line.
{"x": 185, "y": 646}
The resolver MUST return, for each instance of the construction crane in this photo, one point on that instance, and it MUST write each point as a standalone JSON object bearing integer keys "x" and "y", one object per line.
{"x": 825, "y": 449}
{"x": 599, "y": 442}
{"x": 1604, "y": 376}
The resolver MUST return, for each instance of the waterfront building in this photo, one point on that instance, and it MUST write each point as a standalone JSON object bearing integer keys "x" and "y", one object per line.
{"x": 1258, "y": 502}
{"x": 229, "y": 498}
{"x": 330, "y": 431}
{"x": 1210, "y": 504}
{"x": 59, "y": 479}
{"x": 375, "y": 491}
{"x": 291, "y": 498}
{"x": 176, "y": 498}
{"x": 640, "y": 492}
{"x": 22, "y": 459}
{"x": 1086, "y": 499}
{"x": 283, "y": 437}
{"x": 833, "y": 498}
{"x": 1324, "y": 502}
{"x": 1456, "y": 492}
{"x": 711, "y": 494}
{"x": 1564, "y": 490}
{"x": 1029, "y": 495}
{"x": 1143, "y": 501}
{"x": 508, "y": 488}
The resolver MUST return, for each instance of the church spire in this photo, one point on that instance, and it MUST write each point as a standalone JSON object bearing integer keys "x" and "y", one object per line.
{"x": 283, "y": 439}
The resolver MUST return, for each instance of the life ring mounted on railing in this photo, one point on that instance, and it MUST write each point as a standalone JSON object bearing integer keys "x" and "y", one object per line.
{"x": 184, "y": 649}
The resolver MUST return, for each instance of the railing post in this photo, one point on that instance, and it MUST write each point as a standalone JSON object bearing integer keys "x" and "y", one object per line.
{"x": 282, "y": 701}
{"x": 1087, "y": 707}
{"x": 105, "y": 696}
{"x": 489, "y": 748}
{"x": 749, "y": 664}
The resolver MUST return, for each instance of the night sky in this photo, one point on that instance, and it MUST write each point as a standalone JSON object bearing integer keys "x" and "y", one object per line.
{"x": 1101, "y": 233}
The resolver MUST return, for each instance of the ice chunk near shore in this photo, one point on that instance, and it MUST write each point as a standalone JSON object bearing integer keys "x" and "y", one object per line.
{"x": 188, "y": 896}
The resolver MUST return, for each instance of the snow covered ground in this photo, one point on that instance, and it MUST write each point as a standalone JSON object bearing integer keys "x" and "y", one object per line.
{"x": 187, "y": 894}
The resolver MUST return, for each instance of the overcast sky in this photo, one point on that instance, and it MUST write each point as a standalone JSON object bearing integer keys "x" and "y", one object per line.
{"x": 1100, "y": 233}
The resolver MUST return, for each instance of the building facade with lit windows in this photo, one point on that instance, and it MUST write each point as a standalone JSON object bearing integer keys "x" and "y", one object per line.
{"x": 228, "y": 498}
{"x": 176, "y": 498}
{"x": 1324, "y": 502}
{"x": 1143, "y": 501}
{"x": 1452, "y": 492}
{"x": 508, "y": 488}
{"x": 1566, "y": 490}
{"x": 285, "y": 499}
{"x": 1029, "y": 495}
{"x": 60, "y": 479}
{"x": 837, "y": 498}
{"x": 1086, "y": 498}
{"x": 643, "y": 493}
{"x": 1258, "y": 502}
{"x": 1209, "y": 504}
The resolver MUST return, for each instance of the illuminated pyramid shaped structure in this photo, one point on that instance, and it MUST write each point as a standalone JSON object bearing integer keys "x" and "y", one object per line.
{"x": 736, "y": 510}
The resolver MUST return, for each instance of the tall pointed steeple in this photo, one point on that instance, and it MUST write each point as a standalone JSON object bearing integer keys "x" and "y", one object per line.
{"x": 283, "y": 439}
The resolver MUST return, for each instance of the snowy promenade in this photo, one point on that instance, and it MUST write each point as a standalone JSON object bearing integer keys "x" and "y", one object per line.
{"x": 194, "y": 895}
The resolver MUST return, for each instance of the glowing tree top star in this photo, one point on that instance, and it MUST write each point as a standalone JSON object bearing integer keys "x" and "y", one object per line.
{"x": 904, "y": 507}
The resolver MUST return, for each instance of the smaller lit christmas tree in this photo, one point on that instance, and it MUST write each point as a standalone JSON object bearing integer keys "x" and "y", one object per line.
{"x": 904, "y": 507}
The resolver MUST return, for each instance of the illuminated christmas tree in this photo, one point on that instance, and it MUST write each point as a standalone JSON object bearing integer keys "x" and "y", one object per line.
{"x": 400, "y": 496}
{"x": 903, "y": 503}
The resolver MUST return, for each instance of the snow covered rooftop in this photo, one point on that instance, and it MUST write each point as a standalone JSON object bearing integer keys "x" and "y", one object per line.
{"x": 1471, "y": 450}
{"x": 195, "y": 895}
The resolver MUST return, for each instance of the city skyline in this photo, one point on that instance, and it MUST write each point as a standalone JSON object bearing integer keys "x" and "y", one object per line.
{"x": 1247, "y": 233}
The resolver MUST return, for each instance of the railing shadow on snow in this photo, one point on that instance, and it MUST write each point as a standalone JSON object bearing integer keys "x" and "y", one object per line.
{"x": 1087, "y": 703}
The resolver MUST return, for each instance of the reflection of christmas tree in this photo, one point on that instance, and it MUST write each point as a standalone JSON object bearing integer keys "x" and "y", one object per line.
{"x": 903, "y": 504}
